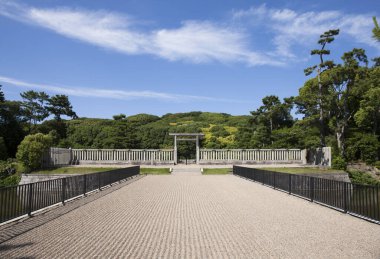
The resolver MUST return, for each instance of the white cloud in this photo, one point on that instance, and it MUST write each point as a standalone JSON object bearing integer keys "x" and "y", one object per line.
{"x": 194, "y": 41}
{"x": 234, "y": 40}
{"x": 291, "y": 28}
{"x": 112, "y": 93}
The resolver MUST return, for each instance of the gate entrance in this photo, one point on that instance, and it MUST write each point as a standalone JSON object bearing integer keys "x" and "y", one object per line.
{"x": 186, "y": 137}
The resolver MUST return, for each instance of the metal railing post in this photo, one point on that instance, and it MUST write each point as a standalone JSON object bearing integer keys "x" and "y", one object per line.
{"x": 311, "y": 188}
{"x": 345, "y": 203}
{"x": 63, "y": 190}
{"x": 99, "y": 181}
{"x": 84, "y": 185}
{"x": 274, "y": 181}
{"x": 30, "y": 200}
{"x": 290, "y": 184}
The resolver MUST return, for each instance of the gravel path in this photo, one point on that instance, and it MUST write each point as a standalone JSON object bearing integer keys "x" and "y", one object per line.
{"x": 198, "y": 217}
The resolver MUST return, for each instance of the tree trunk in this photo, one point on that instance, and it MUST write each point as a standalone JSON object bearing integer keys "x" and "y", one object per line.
{"x": 321, "y": 114}
{"x": 341, "y": 140}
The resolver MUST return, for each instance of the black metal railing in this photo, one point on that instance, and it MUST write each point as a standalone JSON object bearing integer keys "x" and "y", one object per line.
{"x": 24, "y": 199}
{"x": 359, "y": 200}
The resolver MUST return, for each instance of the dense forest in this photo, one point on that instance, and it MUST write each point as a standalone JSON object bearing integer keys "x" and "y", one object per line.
{"x": 339, "y": 106}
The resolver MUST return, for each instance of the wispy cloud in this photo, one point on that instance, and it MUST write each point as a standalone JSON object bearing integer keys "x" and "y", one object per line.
{"x": 193, "y": 41}
{"x": 291, "y": 28}
{"x": 237, "y": 39}
{"x": 113, "y": 93}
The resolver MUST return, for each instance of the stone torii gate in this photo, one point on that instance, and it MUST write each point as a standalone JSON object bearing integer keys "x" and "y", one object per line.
{"x": 186, "y": 137}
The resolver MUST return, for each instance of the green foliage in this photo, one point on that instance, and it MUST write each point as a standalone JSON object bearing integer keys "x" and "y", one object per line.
{"x": 3, "y": 149}
{"x": 59, "y": 105}
{"x": 7, "y": 168}
{"x": 34, "y": 104}
{"x": 2, "y": 97}
{"x": 219, "y": 131}
{"x": 339, "y": 163}
{"x": 376, "y": 30}
{"x": 358, "y": 177}
{"x": 377, "y": 164}
{"x": 142, "y": 119}
{"x": 363, "y": 147}
{"x": 8, "y": 175}
{"x": 119, "y": 117}
{"x": 12, "y": 180}
{"x": 11, "y": 125}
{"x": 31, "y": 150}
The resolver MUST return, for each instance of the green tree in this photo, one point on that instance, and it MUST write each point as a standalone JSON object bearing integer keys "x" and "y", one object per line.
{"x": 324, "y": 39}
{"x": 376, "y": 30}
{"x": 34, "y": 104}
{"x": 2, "y": 98}
{"x": 273, "y": 113}
{"x": 11, "y": 124}
{"x": 345, "y": 103}
{"x": 59, "y": 105}
{"x": 368, "y": 116}
{"x": 31, "y": 150}
{"x": 119, "y": 117}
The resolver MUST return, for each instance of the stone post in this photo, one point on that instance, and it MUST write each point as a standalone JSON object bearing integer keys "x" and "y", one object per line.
{"x": 197, "y": 147}
{"x": 175, "y": 150}
{"x": 304, "y": 156}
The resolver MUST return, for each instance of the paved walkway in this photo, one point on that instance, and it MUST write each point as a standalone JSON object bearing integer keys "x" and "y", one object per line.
{"x": 198, "y": 217}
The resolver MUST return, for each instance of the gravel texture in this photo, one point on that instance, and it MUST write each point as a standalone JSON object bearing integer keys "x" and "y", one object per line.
{"x": 195, "y": 216}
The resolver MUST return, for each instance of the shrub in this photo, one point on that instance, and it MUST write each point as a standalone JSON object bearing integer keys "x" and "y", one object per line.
{"x": 362, "y": 178}
{"x": 31, "y": 150}
{"x": 7, "y": 173}
{"x": 339, "y": 163}
{"x": 7, "y": 168}
{"x": 377, "y": 164}
{"x": 10, "y": 181}
{"x": 364, "y": 147}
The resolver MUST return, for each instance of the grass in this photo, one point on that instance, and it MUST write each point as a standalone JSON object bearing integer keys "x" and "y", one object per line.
{"x": 74, "y": 170}
{"x": 156, "y": 171}
{"x": 302, "y": 170}
{"x": 210, "y": 171}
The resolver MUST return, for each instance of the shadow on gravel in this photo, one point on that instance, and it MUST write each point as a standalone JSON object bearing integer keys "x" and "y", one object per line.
{"x": 10, "y": 247}
{"x": 19, "y": 228}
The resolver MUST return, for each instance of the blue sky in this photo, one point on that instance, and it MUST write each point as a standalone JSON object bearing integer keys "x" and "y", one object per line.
{"x": 158, "y": 57}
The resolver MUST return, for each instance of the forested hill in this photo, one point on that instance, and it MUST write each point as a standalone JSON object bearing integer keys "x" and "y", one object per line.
{"x": 148, "y": 131}
{"x": 339, "y": 104}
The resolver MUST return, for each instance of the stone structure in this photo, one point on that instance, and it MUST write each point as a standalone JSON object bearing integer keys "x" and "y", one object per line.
{"x": 62, "y": 156}
{"x": 132, "y": 156}
{"x": 252, "y": 156}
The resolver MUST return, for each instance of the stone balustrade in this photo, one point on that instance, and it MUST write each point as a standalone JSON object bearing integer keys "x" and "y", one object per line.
{"x": 61, "y": 156}
{"x": 138, "y": 155}
{"x": 252, "y": 155}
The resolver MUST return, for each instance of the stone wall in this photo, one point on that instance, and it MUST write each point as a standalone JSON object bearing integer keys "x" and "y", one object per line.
{"x": 33, "y": 178}
{"x": 319, "y": 156}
